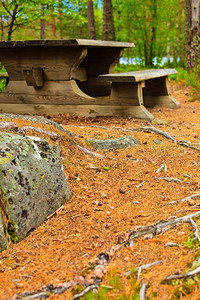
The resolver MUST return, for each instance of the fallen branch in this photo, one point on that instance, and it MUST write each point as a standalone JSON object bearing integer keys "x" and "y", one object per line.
{"x": 89, "y": 288}
{"x": 143, "y": 291}
{"x": 146, "y": 266}
{"x": 163, "y": 168}
{"x": 53, "y": 135}
{"x": 182, "y": 276}
{"x": 157, "y": 228}
{"x": 143, "y": 267}
{"x": 55, "y": 212}
{"x": 88, "y": 152}
{"x": 196, "y": 230}
{"x": 170, "y": 179}
{"x": 185, "y": 144}
{"x": 185, "y": 199}
{"x": 157, "y": 131}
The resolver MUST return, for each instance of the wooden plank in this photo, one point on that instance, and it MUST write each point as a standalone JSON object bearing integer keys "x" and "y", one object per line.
{"x": 57, "y": 43}
{"x": 127, "y": 92}
{"x": 165, "y": 101}
{"x": 157, "y": 92}
{"x": 138, "y": 112}
{"x": 34, "y": 77}
{"x": 136, "y": 76}
{"x": 57, "y": 63}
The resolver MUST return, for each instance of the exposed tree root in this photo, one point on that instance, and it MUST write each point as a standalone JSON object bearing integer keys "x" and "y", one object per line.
{"x": 89, "y": 288}
{"x": 185, "y": 199}
{"x": 143, "y": 291}
{"x": 182, "y": 276}
{"x": 157, "y": 131}
{"x": 88, "y": 152}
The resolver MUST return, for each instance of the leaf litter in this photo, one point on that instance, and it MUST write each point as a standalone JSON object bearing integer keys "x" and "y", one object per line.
{"x": 115, "y": 193}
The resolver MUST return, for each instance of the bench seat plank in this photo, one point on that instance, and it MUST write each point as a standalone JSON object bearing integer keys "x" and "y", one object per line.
{"x": 137, "y": 76}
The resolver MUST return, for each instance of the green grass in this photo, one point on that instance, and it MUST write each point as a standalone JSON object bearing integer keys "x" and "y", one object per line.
{"x": 2, "y": 80}
{"x": 116, "y": 287}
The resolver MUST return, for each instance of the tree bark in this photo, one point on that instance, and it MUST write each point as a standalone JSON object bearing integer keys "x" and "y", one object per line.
{"x": 60, "y": 18}
{"x": 53, "y": 23}
{"x": 182, "y": 54}
{"x": 2, "y": 29}
{"x": 91, "y": 20}
{"x": 42, "y": 24}
{"x": 108, "y": 22}
{"x": 192, "y": 33}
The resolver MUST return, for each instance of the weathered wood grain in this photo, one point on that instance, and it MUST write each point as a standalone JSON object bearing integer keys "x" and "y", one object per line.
{"x": 74, "y": 42}
{"x": 157, "y": 92}
{"x": 139, "y": 112}
{"x": 136, "y": 76}
{"x": 34, "y": 77}
{"x": 58, "y": 92}
{"x": 57, "y": 63}
{"x": 126, "y": 91}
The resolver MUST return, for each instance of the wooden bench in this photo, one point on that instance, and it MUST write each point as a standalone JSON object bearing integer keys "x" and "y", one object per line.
{"x": 142, "y": 88}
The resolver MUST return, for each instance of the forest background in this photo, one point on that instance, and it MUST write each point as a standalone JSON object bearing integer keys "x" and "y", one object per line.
{"x": 166, "y": 33}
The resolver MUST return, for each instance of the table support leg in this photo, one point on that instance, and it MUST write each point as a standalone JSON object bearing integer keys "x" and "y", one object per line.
{"x": 129, "y": 95}
{"x": 157, "y": 92}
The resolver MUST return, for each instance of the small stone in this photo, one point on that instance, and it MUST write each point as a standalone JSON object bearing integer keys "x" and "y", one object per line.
{"x": 171, "y": 245}
{"x": 79, "y": 279}
{"x": 191, "y": 202}
{"x": 135, "y": 202}
{"x": 122, "y": 191}
{"x": 159, "y": 122}
{"x": 158, "y": 142}
{"x": 128, "y": 155}
{"x": 99, "y": 271}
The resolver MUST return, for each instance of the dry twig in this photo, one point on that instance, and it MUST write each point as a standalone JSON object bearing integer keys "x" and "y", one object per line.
{"x": 88, "y": 152}
{"x": 185, "y": 199}
{"x": 157, "y": 131}
{"x": 143, "y": 291}
{"x": 89, "y": 288}
{"x": 181, "y": 276}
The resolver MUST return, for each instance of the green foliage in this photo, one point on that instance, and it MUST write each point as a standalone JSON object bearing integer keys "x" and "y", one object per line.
{"x": 191, "y": 242}
{"x": 12, "y": 231}
{"x": 149, "y": 26}
{"x": 185, "y": 288}
{"x": 188, "y": 78}
{"x": 2, "y": 84}
{"x": 116, "y": 287}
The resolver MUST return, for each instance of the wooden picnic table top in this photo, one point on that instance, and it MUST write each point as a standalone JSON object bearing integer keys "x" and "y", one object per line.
{"x": 72, "y": 42}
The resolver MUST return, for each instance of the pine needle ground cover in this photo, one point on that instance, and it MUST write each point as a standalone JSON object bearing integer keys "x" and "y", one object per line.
{"x": 114, "y": 195}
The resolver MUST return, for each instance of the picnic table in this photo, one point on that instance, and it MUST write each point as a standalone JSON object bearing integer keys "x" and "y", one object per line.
{"x": 62, "y": 76}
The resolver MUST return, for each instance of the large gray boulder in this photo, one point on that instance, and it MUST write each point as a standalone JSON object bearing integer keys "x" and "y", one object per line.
{"x": 33, "y": 184}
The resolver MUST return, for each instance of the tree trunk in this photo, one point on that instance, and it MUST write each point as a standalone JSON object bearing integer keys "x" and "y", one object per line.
{"x": 108, "y": 22}
{"x": 11, "y": 25}
{"x": 60, "y": 18}
{"x": 91, "y": 21}
{"x": 42, "y": 24}
{"x": 182, "y": 54}
{"x": 53, "y": 23}
{"x": 2, "y": 29}
{"x": 192, "y": 33}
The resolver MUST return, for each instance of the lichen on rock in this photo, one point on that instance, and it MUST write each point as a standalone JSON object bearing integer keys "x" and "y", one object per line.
{"x": 122, "y": 142}
{"x": 33, "y": 183}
